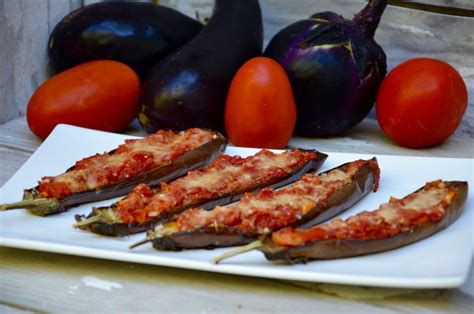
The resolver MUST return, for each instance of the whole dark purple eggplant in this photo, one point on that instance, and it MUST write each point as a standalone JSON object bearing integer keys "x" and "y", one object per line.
{"x": 137, "y": 34}
{"x": 335, "y": 68}
{"x": 189, "y": 88}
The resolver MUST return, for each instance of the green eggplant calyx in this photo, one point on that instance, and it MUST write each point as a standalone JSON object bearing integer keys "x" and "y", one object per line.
{"x": 38, "y": 206}
{"x": 108, "y": 216}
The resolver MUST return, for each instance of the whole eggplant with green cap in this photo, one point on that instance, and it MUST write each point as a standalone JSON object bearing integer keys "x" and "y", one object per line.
{"x": 137, "y": 34}
{"x": 189, "y": 87}
{"x": 335, "y": 68}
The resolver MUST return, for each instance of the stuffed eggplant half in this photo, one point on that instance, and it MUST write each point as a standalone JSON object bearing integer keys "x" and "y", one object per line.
{"x": 159, "y": 157}
{"x": 395, "y": 224}
{"x": 223, "y": 181}
{"x": 306, "y": 202}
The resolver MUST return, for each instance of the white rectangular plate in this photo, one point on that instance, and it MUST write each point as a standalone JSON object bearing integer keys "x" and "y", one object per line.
{"x": 440, "y": 261}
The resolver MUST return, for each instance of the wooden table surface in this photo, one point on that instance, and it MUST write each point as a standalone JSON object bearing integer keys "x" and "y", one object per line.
{"x": 33, "y": 281}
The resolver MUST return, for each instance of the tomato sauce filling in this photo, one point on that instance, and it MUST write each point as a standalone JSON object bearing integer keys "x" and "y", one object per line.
{"x": 399, "y": 215}
{"x": 270, "y": 210}
{"x": 134, "y": 157}
{"x": 225, "y": 175}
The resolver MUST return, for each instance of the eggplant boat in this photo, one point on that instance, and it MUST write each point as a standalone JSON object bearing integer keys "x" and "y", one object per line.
{"x": 306, "y": 202}
{"x": 159, "y": 157}
{"x": 395, "y": 224}
{"x": 223, "y": 181}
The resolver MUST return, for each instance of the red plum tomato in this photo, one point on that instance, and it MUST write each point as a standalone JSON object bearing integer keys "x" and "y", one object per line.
{"x": 260, "y": 108}
{"x": 101, "y": 95}
{"x": 421, "y": 102}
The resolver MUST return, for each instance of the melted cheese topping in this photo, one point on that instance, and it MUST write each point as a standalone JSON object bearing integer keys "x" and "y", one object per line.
{"x": 397, "y": 216}
{"x": 269, "y": 209}
{"x": 225, "y": 175}
{"x": 134, "y": 157}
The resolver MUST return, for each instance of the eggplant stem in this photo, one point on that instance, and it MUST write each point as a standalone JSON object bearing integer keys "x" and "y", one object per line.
{"x": 37, "y": 202}
{"x": 159, "y": 232}
{"x": 246, "y": 248}
{"x": 152, "y": 234}
{"x": 87, "y": 221}
{"x": 370, "y": 15}
{"x": 105, "y": 215}
{"x": 146, "y": 240}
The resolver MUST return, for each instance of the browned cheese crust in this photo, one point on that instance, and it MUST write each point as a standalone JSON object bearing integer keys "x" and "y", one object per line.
{"x": 122, "y": 229}
{"x": 331, "y": 249}
{"x": 364, "y": 180}
{"x": 193, "y": 159}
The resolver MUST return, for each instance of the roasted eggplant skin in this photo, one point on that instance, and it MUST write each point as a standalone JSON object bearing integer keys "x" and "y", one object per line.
{"x": 209, "y": 238}
{"x": 137, "y": 34}
{"x": 363, "y": 181}
{"x": 203, "y": 238}
{"x": 194, "y": 159}
{"x": 122, "y": 229}
{"x": 341, "y": 248}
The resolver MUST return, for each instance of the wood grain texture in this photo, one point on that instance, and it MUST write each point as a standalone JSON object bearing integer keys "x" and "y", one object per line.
{"x": 10, "y": 159}
{"x": 15, "y": 134}
{"x": 461, "y": 4}
{"x": 368, "y": 138}
{"x": 45, "y": 282}
{"x": 24, "y": 31}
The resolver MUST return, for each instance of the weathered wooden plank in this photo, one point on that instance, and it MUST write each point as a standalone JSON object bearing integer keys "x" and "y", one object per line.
{"x": 9, "y": 309}
{"x": 448, "y": 4}
{"x": 367, "y": 138}
{"x": 16, "y": 134}
{"x": 136, "y": 287}
{"x": 84, "y": 284}
{"x": 11, "y": 160}
{"x": 24, "y": 32}
{"x": 200, "y": 9}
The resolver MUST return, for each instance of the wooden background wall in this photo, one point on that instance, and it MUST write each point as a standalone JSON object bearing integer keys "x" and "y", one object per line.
{"x": 441, "y": 29}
